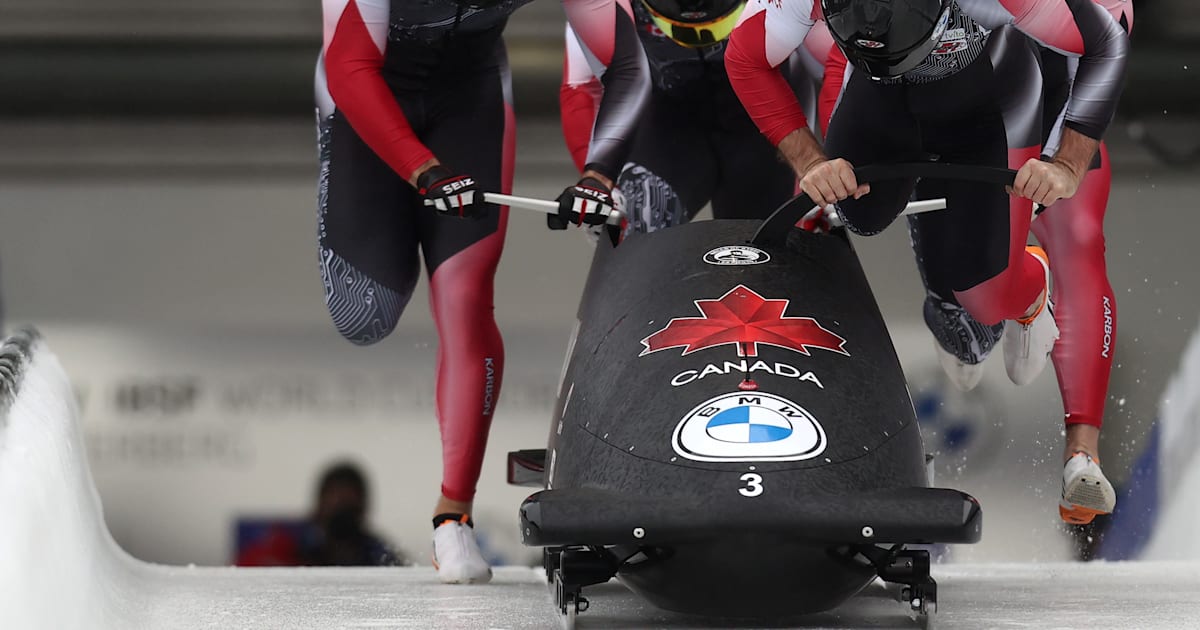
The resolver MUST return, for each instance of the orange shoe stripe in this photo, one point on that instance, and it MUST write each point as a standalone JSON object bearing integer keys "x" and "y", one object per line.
{"x": 1093, "y": 457}
{"x": 1037, "y": 252}
{"x": 1078, "y": 515}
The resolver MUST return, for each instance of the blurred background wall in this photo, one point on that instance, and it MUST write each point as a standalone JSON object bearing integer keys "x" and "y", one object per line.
{"x": 157, "y": 221}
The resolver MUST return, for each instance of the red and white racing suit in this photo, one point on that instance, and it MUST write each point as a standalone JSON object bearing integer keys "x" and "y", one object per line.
{"x": 975, "y": 100}
{"x": 401, "y": 82}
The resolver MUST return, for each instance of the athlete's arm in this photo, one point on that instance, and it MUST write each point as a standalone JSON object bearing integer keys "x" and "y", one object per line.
{"x": 1122, "y": 12}
{"x": 836, "y": 66}
{"x": 607, "y": 35}
{"x": 355, "y": 38}
{"x": 1086, "y": 31}
{"x": 578, "y": 98}
{"x": 765, "y": 36}
{"x": 1076, "y": 28}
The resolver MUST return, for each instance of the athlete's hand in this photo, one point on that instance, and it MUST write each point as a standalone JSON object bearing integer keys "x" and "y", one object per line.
{"x": 830, "y": 181}
{"x": 455, "y": 195}
{"x": 1045, "y": 182}
{"x": 587, "y": 203}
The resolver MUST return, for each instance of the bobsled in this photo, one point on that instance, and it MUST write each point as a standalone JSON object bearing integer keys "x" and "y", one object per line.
{"x": 733, "y": 434}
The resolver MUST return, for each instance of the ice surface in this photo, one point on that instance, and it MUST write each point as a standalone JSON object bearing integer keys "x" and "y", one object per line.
{"x": 60, "y": 570}
{"x": 1119, "y": 595}
{"x": 341, "y": 598}
{"x": 1097, "y": 595}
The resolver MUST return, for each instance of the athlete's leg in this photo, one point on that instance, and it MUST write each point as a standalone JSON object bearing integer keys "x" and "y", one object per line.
{"x": 1087, "y": 313}
{"x": 367, "y": 235}
{"x": 964, "y": 246}
{"x": 471, "y": 130}
{"x": 955, "y": 331}
{"x": 996, "y": 279}
{"x": 1003, "y": 281}
{"x": 1072, "y": 231}
{"x": 963, "y": 343}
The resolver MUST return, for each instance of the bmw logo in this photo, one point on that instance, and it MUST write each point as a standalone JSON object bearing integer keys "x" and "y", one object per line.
{"x": 749, "y": 424}
{"x": 748, "y": 427}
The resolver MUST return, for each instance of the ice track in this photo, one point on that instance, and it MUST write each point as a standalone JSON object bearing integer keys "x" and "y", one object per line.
{"x": 61, "y": 570}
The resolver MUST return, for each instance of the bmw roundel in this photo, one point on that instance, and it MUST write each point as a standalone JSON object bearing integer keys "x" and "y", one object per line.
{"x": 747, "y": 427}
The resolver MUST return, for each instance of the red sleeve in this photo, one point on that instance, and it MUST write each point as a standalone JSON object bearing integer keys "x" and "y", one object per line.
{"x": 353, "y": 70}
{"x": 578, "y": 105}
{"x": 763, "y": 90}
{"x": 578, "y": 100}
{"x": 831, "y": 87}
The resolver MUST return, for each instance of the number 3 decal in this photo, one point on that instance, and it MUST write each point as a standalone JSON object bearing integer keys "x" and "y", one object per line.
{"x": 753, "y": 485}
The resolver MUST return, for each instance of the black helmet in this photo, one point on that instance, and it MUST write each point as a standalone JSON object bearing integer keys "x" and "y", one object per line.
{"x": 695, "y": 23}
{"x": 886, "y": 38}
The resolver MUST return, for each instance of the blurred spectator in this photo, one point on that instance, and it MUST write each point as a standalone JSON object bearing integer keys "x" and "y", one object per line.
{"x": 335, "y": 534}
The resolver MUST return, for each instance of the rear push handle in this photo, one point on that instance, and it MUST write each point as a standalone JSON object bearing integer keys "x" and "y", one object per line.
{"x": 776, "y": 227}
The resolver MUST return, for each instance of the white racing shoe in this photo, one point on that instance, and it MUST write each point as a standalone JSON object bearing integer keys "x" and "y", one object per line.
{"x": 1028, "y": 341}
{"x": 1085, "y": 491}
{"x": 965, "y": 376}
{"x": 456, "y": 555}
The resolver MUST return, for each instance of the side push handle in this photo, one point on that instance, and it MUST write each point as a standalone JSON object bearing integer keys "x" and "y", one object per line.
{"x": 537, "y": 205}
{"x": 776, "y": 227}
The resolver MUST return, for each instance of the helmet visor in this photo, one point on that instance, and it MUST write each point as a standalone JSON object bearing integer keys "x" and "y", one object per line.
{"x": 697, "y": 34}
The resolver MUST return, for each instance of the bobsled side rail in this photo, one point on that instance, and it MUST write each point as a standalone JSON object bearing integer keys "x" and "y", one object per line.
{"x": 590, "y": 516}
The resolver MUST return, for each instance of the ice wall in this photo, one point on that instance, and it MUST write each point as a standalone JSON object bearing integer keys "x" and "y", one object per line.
{"x": 1178, "y": 475}
{"x": 59, "y": 567}
{"x": 61, "y": 570}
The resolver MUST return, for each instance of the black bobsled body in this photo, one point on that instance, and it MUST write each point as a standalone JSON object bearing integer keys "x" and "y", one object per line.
{"x": 733, "y": 427}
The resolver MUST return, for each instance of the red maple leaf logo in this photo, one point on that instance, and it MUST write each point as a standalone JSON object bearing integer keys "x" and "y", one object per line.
{"x": 745, "y": 319}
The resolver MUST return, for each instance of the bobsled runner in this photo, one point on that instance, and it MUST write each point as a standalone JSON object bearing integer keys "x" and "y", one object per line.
{"x": 733, "y": 434}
